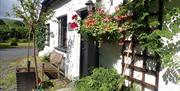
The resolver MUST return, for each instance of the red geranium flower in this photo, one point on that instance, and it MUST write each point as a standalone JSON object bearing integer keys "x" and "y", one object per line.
{"x": 73, "y": 25}
{"x": 90, "y": 22}
{"x": 100, "y": 11}
{"x": 120, "y": 17}
{"x": 107, "y": 19}
{"x": 74, "y": 17}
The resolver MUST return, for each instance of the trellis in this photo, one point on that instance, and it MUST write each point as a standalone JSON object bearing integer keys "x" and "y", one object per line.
{"x": 132, "y": 54}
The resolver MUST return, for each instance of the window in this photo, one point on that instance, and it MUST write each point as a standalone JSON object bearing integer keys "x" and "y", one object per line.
{"x": 62, "y": 32}
{"x": 47, "y": 42}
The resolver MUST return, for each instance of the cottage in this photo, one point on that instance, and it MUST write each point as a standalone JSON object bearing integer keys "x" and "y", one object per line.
{"x": 80, "y": 55}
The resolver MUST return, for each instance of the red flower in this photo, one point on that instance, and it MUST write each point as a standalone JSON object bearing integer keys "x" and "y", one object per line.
{"x": 107, "y": 19}
{"x": 73, "y": 25}
{"x": 120, "y": 17}
{"x": 74, "y": 17}
{"x": 90, "y": 22}
{"x": 100, "y": 11}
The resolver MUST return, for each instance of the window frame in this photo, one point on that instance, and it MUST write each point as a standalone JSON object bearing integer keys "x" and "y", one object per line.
{"x": 62, "y": 33}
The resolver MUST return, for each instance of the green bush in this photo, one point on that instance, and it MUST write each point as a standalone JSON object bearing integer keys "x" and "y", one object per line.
{"x": 45, "y": 58}
{"x": 45, "y": 85}
{"x": 8, "y": 81}
{"x": 13, "y": 42}
{"x": 23, "y": 40}
{"x": 101, "y": 79}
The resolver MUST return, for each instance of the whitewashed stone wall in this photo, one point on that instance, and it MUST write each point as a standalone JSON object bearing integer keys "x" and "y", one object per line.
{"x": 72, "y": 62}
{"x": 110, "y": 54}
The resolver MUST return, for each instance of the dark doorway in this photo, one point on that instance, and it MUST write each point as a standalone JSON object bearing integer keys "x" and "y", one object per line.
{"x": 89, "y": 57}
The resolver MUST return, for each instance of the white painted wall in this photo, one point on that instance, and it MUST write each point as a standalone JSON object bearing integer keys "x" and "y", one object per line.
{"x": 110, "y": 54}
{"x": 73, "y": 52}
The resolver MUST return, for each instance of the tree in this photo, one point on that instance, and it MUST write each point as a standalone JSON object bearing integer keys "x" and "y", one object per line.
{"x": 2, "y": 22}
{"x": 34, "y": 16}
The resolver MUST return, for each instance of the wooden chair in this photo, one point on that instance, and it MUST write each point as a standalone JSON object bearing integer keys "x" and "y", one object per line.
{"x": 52, "y": 68}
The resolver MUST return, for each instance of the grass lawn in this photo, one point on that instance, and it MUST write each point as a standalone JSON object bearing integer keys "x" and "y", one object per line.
{"x": 8, "y": 74}
{"x": 20, "y": 45}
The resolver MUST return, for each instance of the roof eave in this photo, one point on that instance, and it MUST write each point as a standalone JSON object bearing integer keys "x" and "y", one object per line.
{"x": 47, "y": 3}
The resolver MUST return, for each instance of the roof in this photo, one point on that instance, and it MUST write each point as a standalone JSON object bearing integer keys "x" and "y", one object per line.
{"x": 46, "y": 3}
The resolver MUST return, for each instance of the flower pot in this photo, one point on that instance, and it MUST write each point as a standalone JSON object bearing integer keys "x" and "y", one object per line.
{"x": 25, "y": 79}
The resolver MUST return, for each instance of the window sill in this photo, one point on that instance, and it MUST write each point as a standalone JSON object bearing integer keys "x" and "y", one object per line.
{"x": 61, "y": 49}
{"x": 47, "y": 44}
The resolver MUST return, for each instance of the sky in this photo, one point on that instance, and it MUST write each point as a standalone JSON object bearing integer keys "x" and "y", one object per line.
{"x": 6, "y": 6}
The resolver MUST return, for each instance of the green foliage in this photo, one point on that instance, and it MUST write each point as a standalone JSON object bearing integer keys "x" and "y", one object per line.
{"x": 45, "y": 58}
{"x": 121, "y": 10}
{"x": 4, "y": 33}
{"x": 8, "y": 81}
{"x": 100, "y": 26}
{"x": 2, "y": 22}
{"x": 33, "y": 14}
{"x": 101, "y": 79}
{"x": 45, "y": 85}
{"x": 13, "y": 42}
{"x": 41, "y": 38}
{"x": 23, "y": 40}
{"x": 163, "y": 41}
{"x": 135, "y": 87}
{"x": 150, "y": 41}
{"x": 13, "y": 29}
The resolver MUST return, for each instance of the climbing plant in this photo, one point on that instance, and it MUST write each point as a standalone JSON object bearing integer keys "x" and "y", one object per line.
{"x": 169, "y": 37}
{"x": 41, "y": 38}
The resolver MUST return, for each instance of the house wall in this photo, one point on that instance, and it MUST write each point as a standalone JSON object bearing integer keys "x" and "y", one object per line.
{"x": 72, "y": 56}
{"x": 110, "y": 53}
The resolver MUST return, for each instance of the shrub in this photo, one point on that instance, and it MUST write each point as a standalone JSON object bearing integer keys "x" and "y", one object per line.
{"x": 101, "y": 79}
{"x": 13, "y": 42}
{"x": 46, "y": 85}
{"x": 45, "y": 58}
{"x": 23, "y": 40}
{"x": 8, "y": 81}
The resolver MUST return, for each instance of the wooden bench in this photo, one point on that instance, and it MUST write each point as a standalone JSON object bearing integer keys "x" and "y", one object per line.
{"x": 52, "y": 68}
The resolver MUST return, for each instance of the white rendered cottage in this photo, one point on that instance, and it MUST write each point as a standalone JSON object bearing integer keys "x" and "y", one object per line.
{"x": 80, "y": 55}
{"x": 65, "y": 40}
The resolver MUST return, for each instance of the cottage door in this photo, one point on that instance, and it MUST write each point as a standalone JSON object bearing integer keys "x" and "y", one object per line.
{"x": 89, "y": 52}
{"x": 88, "y": 59}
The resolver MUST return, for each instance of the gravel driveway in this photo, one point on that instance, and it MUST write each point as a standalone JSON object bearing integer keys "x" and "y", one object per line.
{"x": 10, "y": 54}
